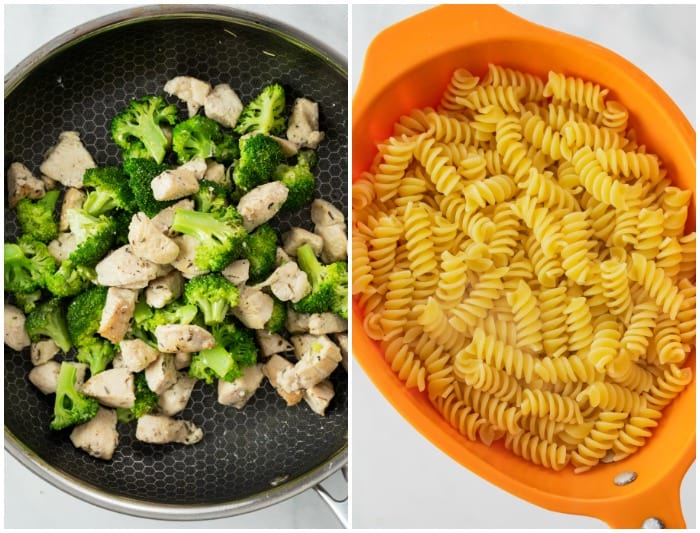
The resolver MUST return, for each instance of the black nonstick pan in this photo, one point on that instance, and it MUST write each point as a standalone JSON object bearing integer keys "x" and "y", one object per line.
{"x": 248, "y": 459}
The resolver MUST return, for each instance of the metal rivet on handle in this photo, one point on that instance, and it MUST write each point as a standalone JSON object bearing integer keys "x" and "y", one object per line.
{"x": 624, "y": 478}
{"x": 653, "y": 523}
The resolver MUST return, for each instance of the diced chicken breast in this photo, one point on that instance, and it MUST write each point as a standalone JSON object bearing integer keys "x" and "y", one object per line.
{"x": 182, "y": 360}
{"x": 21, "y": 183}
{"x": 48, "y": 182}
{"x": 297, "y": 322}
{"x": 273, "y": 369}
{"x": 288, "y": 283}
{"x": 262, "y": 203}
{"x": 117, "y": 313}
{"x": 296, "y": 237}
{"x": 136, "y": 354}
{"x": 237, "y": 272}
{"x": 342, "y": 341}
{"x": 62, "y": 246}
{"x": 281, "y": 257}
{"x": 254, "y": 307}
{"x": 303, "y": 124}
{"x": 216, "y": 172}
{"x": 192, "y": 91}
{"x": 173, "y": 338}
{"x": 67, "y": 161}
{"x": 72, "y": 199}
{"x": 112, "y": 388}
{"x": 324, "y": 213}
{"x": 318, "y": 357}
{"x": 239, "y": 391}
{"x": 288, "y": 147}
{"x": 164, "y": 219}
{"x": 148, "y": 242}
{"x": 118, "y": 361}
{"x": 324, "y": 323}
{"x": 179, "y": 182}
{"x": 160, "y": 429}
{"x": 123, "y": 268}
{"x": 165, "y": 289}
{"x": 43, "y": 351}
{"x": 184, "y": 262}
{"x": 98, "y": 436}
{"x": 16, "y": 336}
{"x": 161, "y": 373}
{"x": 335, "y": 242}
{"x": 223, "y": 105}
{"x": 45, "y": 377}
{"x": 319, "y": 396}
{"x": 173, "y": 400}
{"x": 271, "y": 343}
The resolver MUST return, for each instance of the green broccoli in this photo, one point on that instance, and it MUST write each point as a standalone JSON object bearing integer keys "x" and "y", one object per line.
{"x": 260, "y": 249}
{"x": 220, "y": 235}
{"x": 147, "y": 319}
{"x": 71, "y": 407}
{"x": 238, "y": 340}
{"x": 260, "y": 156}
{"x": 201, "y": 137}
{"x": 141, "y": 173}
{"x": 28, "y": 265}
{"x": 141, "y": 121}
{"x": 111, "y": 191}
{"x": 48, "y": 320}
{"x": 265, "y": 113}
{"x": 84, "y": 314}
{"x": 328, "y": 283}
{"x": 122, "y": 220}
{"x": 136, "y": 150}
{"x": 299, "y": 179}
{"x": 279, "y": 316}
{"x": 235, "y": 348}
{"x": 94, "y": 236}
{"x": 27, "y": 301}
{"x": 96, "y": 352}
{"x": 210, "y": 197}
{"x": 146, "y": 401}
{"x": 36, "y": 217}
{"x": 70, "y": 279}
{"x": 339, "y": 304}
{"x": 227, "y": 149}
{"x": 213, "y": 294}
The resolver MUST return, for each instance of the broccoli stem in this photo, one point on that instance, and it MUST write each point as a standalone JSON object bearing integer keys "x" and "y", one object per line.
{"x": 308, "y": 262}
{"x": 218, "y": 359}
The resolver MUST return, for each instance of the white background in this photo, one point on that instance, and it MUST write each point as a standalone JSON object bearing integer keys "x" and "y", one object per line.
{"x": 31, "y": 502}
{"x": 399, "y": 479}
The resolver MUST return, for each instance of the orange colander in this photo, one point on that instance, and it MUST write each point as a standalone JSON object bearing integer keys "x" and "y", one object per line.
{"x": 408, "y": 66}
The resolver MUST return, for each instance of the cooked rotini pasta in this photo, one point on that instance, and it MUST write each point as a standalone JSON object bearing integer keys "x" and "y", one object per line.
{"x": 525, "y": 261}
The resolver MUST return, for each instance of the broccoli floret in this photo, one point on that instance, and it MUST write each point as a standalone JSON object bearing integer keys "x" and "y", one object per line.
{"x": 122, "y": 219}
{"x": 146, "y": 401}
{"x": 299, "y": 179}
{"x": 213, "y": 294}
{"x": 27, "y": 301}
{"x": 235, "y": 348}
{"x": 328, "y": 283}
{"x": 238, "y": 340}
{"x": 141, "y": 173}
{"x": 260, "y": 156}
{"x": 220, "y": 235}
{"x": 48, "y": 320}
{"x": 227, "y": 149}
{"x": 136, "y": 150}
{"x": 28, "y": 265}
{"x": 70, "y": 279}
{"x": 141, "y": 121}
{"x": 71, "y": 407}
{"x": 96, "y": 352}
{"x": 111, "y": 191}
{"x": 84, "y": 314}
{"x": 210, "y": 197}
{"x": 278, "y": 318}
{"x": 36, "y": 217}
{"x": 94, "y": 236}
{"x": 201, "y": 137}
{"x": 265, "y": 113}
{"x": 147, "y": 319}
{"x": 339, "y": 304}
{"x": 260, "y": 249}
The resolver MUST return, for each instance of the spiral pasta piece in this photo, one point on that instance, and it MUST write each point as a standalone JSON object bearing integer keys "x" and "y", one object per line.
{"x": 542, "y": 223}
{"x": 597, "y": 443}
{"x": 578, "y": 324}
{"x": 507, "y": 98}
{"x": 675, "y": 204}
{"x": 441, "y": 173}
{"x": 640, "y": 330}
{"x": 576, "y": 233}
{"x": 511, "y": 149}
{"x": 650, "y": 232}
{"x": 554, "y": 331}
{"x": 552, "y": 405}
{"x": 417, "y": 228}
{"x": 414, "y": 123}
{"x": 496, "y": 353}
{"x": 635, "y": 432}
{"x": 453, "y": 278}
{"x": 500, "y": 414}
{"x": 572, "y": 89}
{"x": 433, "y": 319}
{"x": 615, "y": 116}
{"x": 404, "y": 362}
{"x": 382, "y": 252}
{"x": 488, "y": 288}
{"x": 538, "y": 451}
{"x": 610, "y": 397}
{"x": 616, "y": 286}
{"x": 527, "y": 317}
{"x": 505, "y": 237}
{"x": 547, "y": 269}
{"x": 686, "y": 314}
{"x": 657, "y": 284}
{"x": 485, "y": 122}
{"x": 544, "y": 137}
{"x": 361, "y": 269}
{"x": 549, "y": 192}
{"x": 448, "y": 129}
{"x": 531, "y": 86}
{"x": 668, "y": 385}
{"x": 461, "y": 84}
{"x": 597, "y": 182}
{"x": 629, "y": 164}
{"x": 488, "y": 379}
{"x": 491, "y": 191}
{"x": 477, "y": 226}
{"x": 577, "y": 134}
{"x": 397, "y": 154}
{"x": 667, "y": 341}
{"x": 472, "y": 167}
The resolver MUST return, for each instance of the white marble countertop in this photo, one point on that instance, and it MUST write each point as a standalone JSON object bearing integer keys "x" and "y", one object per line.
{"x": 399, "y": 479}
{"x": 31, "y": 502}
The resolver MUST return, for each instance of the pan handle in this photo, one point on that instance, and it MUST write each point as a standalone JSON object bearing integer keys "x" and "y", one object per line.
{"x": 338, "y": 506}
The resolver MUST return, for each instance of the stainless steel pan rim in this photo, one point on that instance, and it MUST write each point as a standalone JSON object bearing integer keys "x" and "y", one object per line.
{"x": 58, "y": 477}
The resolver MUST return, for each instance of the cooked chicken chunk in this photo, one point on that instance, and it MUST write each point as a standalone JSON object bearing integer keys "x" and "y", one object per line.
{"x": 237, "y": 272}
{"x": 72, "y": 199}
{"x": 335, "y": 242}
{"x": 16, "y": 336}
{"x": 289, "y": 148}
{"x": 173, "y": 338}
{"x": 216, "y": 172}
{"x": 271, "y": 343}
{"x": 185, "y": 259}
{"x": 123, "y": 268}
{"x": 117, "y": 313}
{"x": 148, "y": 242}
{"x": 112, "y": 388}
{"x": 164, "y": 219}
{"x": 239, "y": 391}
{"x": 161, "y": 373}
{"x": 21, "y": 183}
{"x": 45, "y": 376}
{"x": 288, "y": 283}
{"x": 179, "y": 182}
{"x": 324, "y": 323}
{"x": 136, "y": 354}
{"x": 318, "y": 357}
{"x": 297, "y": 322}
{"x": 160, "y": 429}
{"x": 62, "y": 246}
{"x": 281, "y": 257}
{"x": 324, "y": 213}
{"x": 319, "y": 396}
{"x": 296, "y": 237}
{"x": 303, "y": 124}
{"x": 342, "y": 340}
{"x": 262, "y": 203}
{"x": 182, "y": 360}
{"x": 173, "y": 400}
{"x": 43, "y": 351}
{"x": 254, "y": 307}
{"x": 165, "y": 289}
{"x": 118, "y": 361}
{"x": 192, "y": 91}
{"x": 223, "y": 105}
{"x": 98, "y": 436}
{"x": 67, "y": 161}
{"x": 273, "y": 369}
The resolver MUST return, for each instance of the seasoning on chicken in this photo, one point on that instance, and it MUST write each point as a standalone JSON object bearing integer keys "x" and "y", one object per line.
{"x": 317, "y": 358}
{"x": 45, "y": 376}
{"x": 148, "y": 242}
{"x": 164, "y": 289}
{"x": 275, "y": 367}
{"x": 99, "y": 436}
{"x": 123, "y": 268}
{"x": 330, "y": 225}
{"x": 173, "y": 400}
{"x": 161, "y": 373}
{"x": 303, "y": 124}
{"x": 342, "y": 340}
{"x": 223, "y": 105}
{"x": 179, "y": 182}
{"x": 67, "y": 160}
{"x": 319, "y": 396}
{"x": 112, "y": 388}
{"x": 62, "y": 246}
{"x": 16, "y": 336}
{"x": 72, "y": 199}
{"x": 296, "y": 237}
{"x": 237, "y": 392}
{"x": 136, "y": 355}
{"x": 21, "y": 183}
{"x": 173, "y": 338}
{"x": 271, "y": 343}
{"x": 184, "y": 262}
{"x": 117, "y": 313}
{"x": 43, "y": 351}
{"x": 237, "y": 272}
{"x": 160, "y": 429}
{"x": 288, "y": 283}
{"x": 254, "y": 307}
{"x": 164, "y": 219}
{"x": 261, "y": 204}
{"x": 192, "y": 91}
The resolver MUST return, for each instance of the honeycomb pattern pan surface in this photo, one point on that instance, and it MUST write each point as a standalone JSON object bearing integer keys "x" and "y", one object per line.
{"x": 245, "y": 452}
